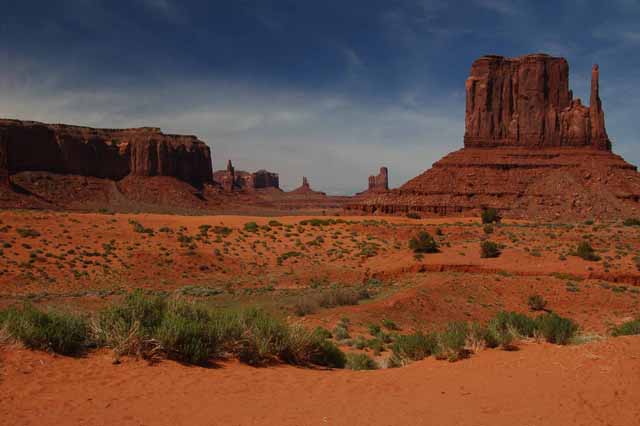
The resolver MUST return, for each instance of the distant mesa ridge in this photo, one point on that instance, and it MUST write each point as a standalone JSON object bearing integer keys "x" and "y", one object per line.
{"x": 102, "y": 153}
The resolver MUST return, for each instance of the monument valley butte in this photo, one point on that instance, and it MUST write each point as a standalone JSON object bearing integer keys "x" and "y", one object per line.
{"x": 501, "y": 286}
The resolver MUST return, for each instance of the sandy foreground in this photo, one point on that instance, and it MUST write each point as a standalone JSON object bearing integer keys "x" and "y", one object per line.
{"x": 592, "y": 384}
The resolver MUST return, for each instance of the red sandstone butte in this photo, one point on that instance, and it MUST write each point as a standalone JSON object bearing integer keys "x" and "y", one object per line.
{"x": 27, "y": 146}
{"x": 305, "y": 189}
{"x": 232, "y": 180}
{"x": 530, "y": 151}
{"x": 379, "y": 182}
{"x": 526, "y": 102}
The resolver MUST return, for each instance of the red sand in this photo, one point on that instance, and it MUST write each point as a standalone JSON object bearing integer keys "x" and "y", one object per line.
{"x": 591, "y": 384}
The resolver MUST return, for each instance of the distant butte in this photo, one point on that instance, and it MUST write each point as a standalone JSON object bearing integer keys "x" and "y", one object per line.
{"x": 305, "y": 189}
{"x": 530, "y": 150}
{"x": 238, "y": 180}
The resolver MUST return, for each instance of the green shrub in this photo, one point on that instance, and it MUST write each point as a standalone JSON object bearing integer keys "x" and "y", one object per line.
{"x": 322, "y": 333}
{"x": 556, "y": 329}
{"x": 265, "y": 339}
{"x": 59, "y": 332}
{"x": 632, "y": 221}
{"x": 628, "y": 328}
{"x": 490, "y": 215}
{"x": 506, "y": 327}
{"x": 360, "y": 361}
{"x": 389, "y": 324}
{"x": 251, "y": 227}
{"x": 586, "y": 252}
{"x": 187, "y": 333}
{"x": 341, "y": 332}
{"x": 489, "y": 249}
{"x": 423, "y": 243}
{"x": 414, "y": 347}
{"x": 451, "y": 342}
{"x": 329, "y": 355}
{"x": 413, "y": 215}
{"x": 222, "y": 230}
{"x": 537, "y": 302}
{"x": 27, "y": 232}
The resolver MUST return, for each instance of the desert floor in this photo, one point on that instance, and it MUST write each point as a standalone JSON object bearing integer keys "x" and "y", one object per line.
{"x": 593, "y": 384}
{"x": 82, "y": 262}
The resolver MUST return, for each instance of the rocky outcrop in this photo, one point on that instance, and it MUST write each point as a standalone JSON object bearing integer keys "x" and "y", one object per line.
{"x": 379, "y": 182}
{"x": 238, "y": 180}
{"x": 104, "y": 153}
{"x": 526, "y": 102}
{"x": 531, "y": 151}
{"x": 305, "y": 189}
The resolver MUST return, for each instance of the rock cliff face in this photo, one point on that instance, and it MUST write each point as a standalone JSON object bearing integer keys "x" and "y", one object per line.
{"x": 531, "y": 151}
{"x": 526, "y": 102}
{"x": 102, "y": 153}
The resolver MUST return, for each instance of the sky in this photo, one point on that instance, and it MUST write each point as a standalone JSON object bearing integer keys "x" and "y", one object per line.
{"x": 329, "y": 89}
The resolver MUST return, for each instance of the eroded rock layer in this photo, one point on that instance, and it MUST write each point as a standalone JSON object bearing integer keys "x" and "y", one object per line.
{"x": 547, "y": 183}
{"x": 526, "y": 102}
{"x": 531, "y": 151}
{"x": 27, "y": 146}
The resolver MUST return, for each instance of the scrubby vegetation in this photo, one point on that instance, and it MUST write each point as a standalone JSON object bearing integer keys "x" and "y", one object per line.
{"x": 586, "y": 252}
{"x": 628, "y": 328}
{"x": 156, "y": 327}
{"x": 423, "y": 243}
{"x": 537, "y": 302}
{"x": 54, "y": 331}
{"x": 413, "y": 215}
{"x": 632, "y": 221}
{"x": 360, "y": 361}
{"x": 459, "y": 339}
{"x": 489, "y": 249}
{"x": 490, "y": 215}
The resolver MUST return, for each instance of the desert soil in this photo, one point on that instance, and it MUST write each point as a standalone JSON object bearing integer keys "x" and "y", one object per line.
{"x": 82, "y": 262}
{"x": 592, "y": 384}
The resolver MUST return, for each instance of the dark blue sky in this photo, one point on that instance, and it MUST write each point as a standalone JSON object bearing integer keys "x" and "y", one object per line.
{"x": 330, "y": 89}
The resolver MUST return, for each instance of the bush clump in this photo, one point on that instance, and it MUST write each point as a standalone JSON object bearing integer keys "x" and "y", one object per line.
{"x": 536, "y": 302}
{"x": 452, "y": 341}
{"x": 489, "y": 249}
{"x": 156, "y": 327}
{"x": 490, "y": 215}
{"x": 556, "y": 329}
{"x": 413, "y": 215}
{"x": 251, "y": 227}
{"x": 27, "y": 232}
{"x": 628, "y": 328}
{"x": 586, "y": 252}
{"x": 632, "y": 221}
{"x": 360, "y": 361}
{"x": 423, "y": 243}
{"x": 414, "y": 347}
{"x": 59, "y": 332}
